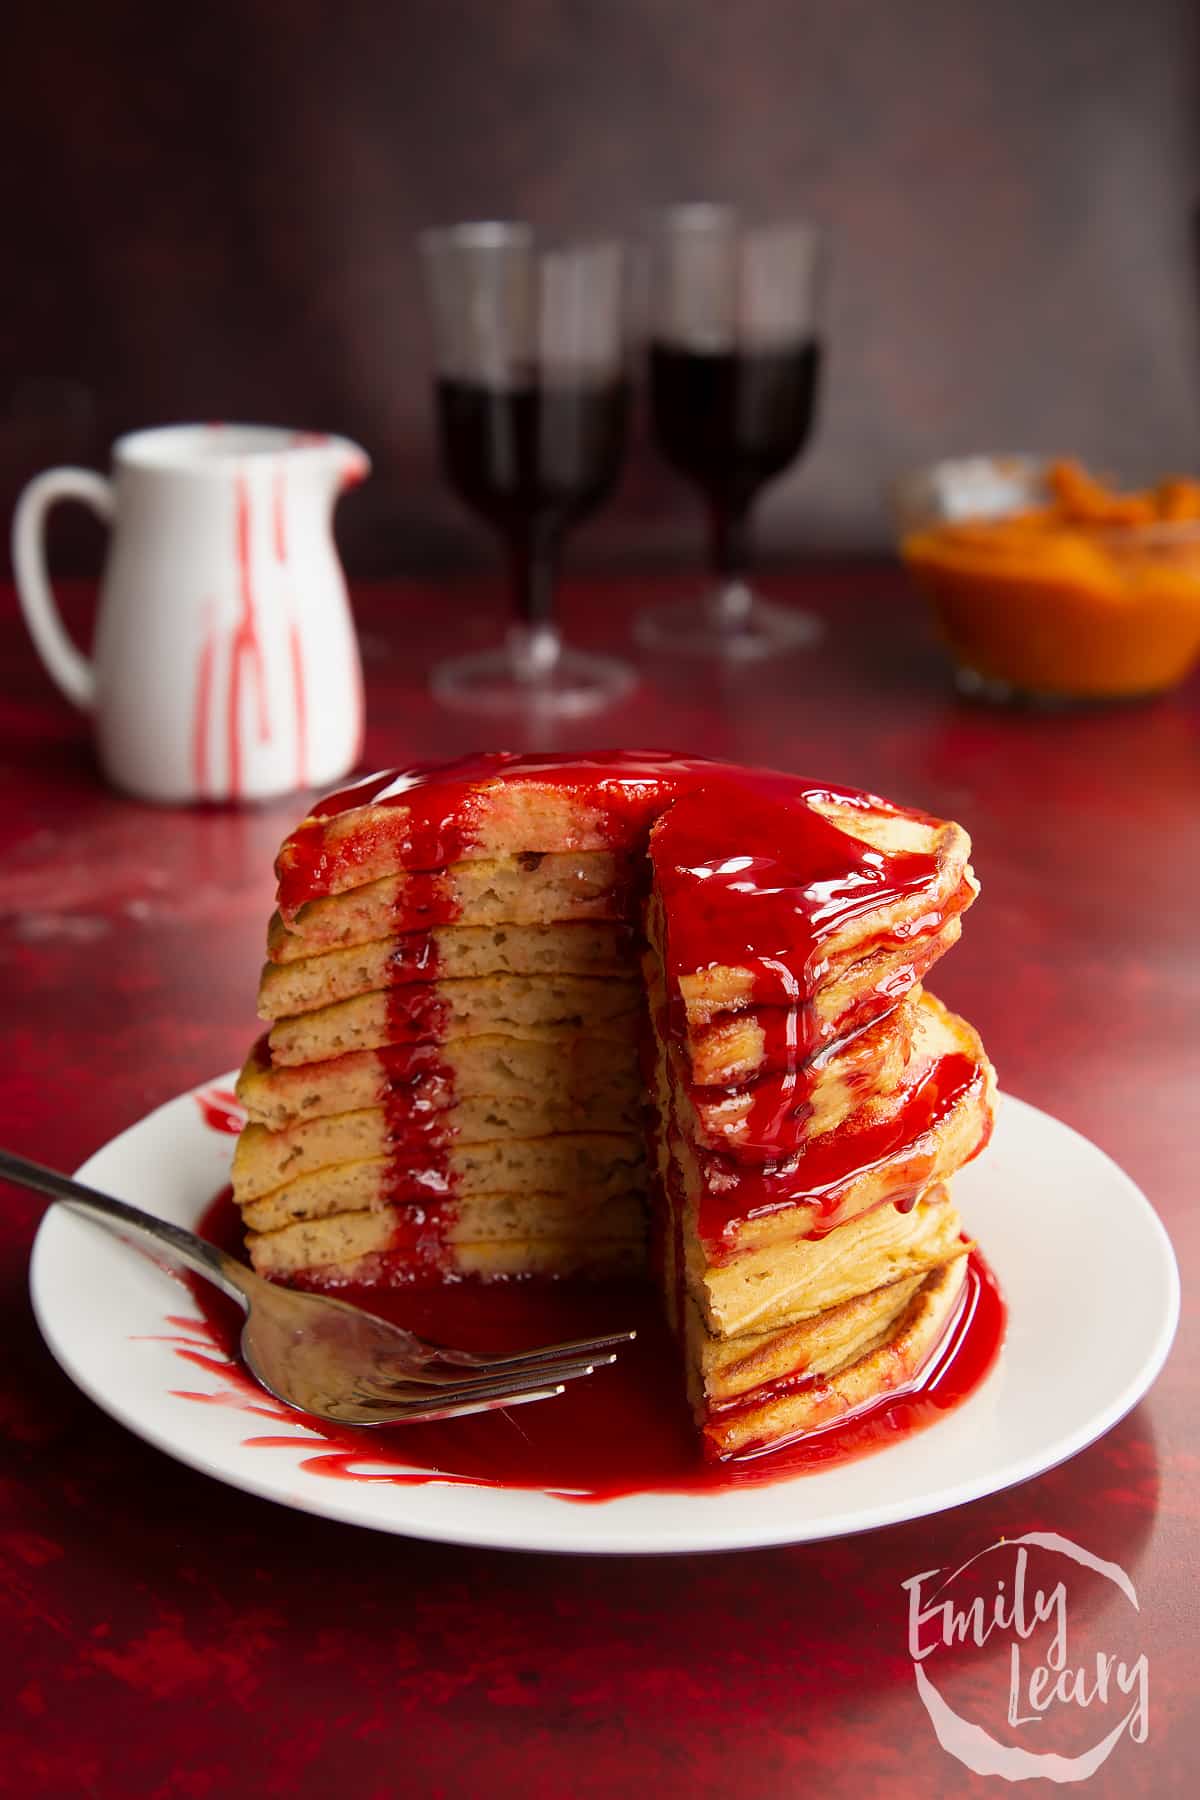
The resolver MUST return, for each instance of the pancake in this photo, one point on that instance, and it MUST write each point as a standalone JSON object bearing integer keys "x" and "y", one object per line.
{"x": 495, "y": 1005}
{"x": 795, "y": 1281}
{"x": 891, "y": 1147}
{"x": 752, "y": 1039}
{"x": 477, "y": 1087}
{"x": 530, "y": 888}
{"x": 448, "y": 952}
{"x": 487, "y": 808}
{"x": 493, "y": 1236}
{"x": 729, "y": 1369}
{"x": 302, "y": 1169}
{"x": 853, "y": 1359}
{"x": 758, "y": 1121}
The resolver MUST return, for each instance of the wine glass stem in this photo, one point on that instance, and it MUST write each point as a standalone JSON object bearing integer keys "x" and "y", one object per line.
{"x": 534, "y": 644}
{"x": 535, "y": 577}
{"x": 729, "y": 539}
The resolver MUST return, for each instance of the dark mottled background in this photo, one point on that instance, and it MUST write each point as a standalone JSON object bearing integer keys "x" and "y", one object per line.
{"x": 209, "y": 212}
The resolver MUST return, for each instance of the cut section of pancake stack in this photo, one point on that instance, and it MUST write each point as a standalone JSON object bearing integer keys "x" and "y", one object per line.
{"x": 529, "y": 1015}
{"x": 460, "y": 1099}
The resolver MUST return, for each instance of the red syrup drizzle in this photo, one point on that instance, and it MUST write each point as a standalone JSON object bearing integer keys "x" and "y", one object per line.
{"x": 793, "y": 1036}
{"x": 820, "y": 1174}
{"x": 246, "y": 648}
{"x": 767, "y": 1118}
{"x": 418, "y": 1136}
{"x": 279, "y": 535}
{"x": 624, "y": 1430}
{"x": 202, "y": 709}
{"x": 750, "y": 874}
{"x": 246, "y": 644}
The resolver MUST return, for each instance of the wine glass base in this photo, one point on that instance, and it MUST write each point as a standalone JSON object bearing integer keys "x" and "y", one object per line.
{"x": 745, "y": 631}
{"x": 571, "y": 686}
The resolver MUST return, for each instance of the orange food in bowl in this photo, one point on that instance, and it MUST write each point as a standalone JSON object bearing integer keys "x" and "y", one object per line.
{"x": 1095, "y": 594}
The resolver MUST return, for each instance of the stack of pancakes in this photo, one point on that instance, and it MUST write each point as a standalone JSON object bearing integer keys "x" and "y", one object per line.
{"x": 522, "y": 1009}
{"x": 808, "y": 1118}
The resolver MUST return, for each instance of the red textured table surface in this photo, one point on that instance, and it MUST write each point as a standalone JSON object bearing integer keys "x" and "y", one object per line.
{"x": 167, "y": 1636}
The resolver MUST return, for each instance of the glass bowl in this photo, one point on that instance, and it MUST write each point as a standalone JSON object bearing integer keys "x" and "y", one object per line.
{"x": 1046, "y": 608}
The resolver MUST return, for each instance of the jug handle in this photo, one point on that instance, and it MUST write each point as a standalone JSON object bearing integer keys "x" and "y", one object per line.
{"x": 68, "y": 666}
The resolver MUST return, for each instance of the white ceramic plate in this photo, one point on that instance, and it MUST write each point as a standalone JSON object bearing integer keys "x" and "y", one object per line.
{"x": 1075, "y": 1244}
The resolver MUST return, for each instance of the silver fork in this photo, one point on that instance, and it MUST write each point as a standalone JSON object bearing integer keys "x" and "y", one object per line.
{"x": 324, "y": 1357}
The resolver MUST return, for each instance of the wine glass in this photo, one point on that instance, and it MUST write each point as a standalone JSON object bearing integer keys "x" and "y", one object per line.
{"x": 734, "y": 367}
{"x": 532, "y": 407}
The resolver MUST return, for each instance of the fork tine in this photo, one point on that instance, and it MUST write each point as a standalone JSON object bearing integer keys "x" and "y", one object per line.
{"x": 409, "y": 1393}
{"x": 543, "y": 1353}
{"x": 462, "y": 1380}
{"x": 389, "y": 1411}
{"x": 446, "y": 1408}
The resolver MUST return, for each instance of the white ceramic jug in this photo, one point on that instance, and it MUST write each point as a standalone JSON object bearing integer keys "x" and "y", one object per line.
{"x": 226, "y": 666}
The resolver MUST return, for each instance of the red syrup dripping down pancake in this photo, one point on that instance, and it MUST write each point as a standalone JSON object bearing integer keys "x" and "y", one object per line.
{"x": 245, "y": 646}
{"x": 751, "y": 875}
{"x": 624, "y": 1430}
{"x": 418, "y": 1137}
{"x": 820, "y": 1174}
{"x": 800, "y": 897}
{"x": 441, "y": 808}
{"x": 279, "y": 534}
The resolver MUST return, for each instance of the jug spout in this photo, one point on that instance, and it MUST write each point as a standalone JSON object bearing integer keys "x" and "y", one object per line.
{"x": 346, "y": 462}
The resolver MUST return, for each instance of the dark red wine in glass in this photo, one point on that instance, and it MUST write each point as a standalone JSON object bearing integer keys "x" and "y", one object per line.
{"x": 731, "y": 420}
{"x": 532, "y": 460}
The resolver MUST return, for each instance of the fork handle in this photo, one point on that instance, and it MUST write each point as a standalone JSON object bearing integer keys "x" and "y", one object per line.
{"x": 124, "y": 1220}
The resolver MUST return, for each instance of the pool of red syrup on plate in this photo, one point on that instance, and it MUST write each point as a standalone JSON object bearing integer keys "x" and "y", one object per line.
{"x": 624, "y": 1430}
